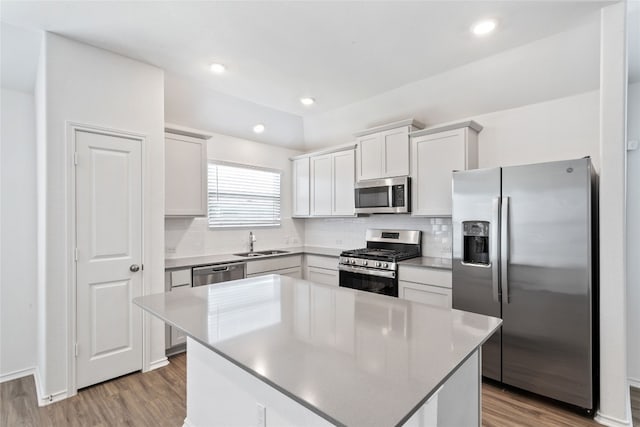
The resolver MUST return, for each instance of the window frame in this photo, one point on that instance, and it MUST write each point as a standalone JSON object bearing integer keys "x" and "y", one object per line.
{"x": 244, "y": 166}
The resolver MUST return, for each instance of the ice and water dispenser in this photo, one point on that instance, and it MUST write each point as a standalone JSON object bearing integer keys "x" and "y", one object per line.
{"x": 476, "y": 242}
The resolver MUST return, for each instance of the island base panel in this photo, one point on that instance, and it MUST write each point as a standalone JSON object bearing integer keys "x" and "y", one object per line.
{"x": 221, "y": 393}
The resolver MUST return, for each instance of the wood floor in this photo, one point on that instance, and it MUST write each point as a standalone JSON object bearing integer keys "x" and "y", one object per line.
{"x": 157, "y": 398}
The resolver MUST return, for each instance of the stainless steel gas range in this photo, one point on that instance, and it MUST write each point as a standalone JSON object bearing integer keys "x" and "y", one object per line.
{"x": 375, "y": 268}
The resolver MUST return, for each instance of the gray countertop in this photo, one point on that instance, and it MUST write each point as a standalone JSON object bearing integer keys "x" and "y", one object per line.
{"x": 194, "y": 261}
{"x": 428, "y": 262}
{"x": 354, "y": 357}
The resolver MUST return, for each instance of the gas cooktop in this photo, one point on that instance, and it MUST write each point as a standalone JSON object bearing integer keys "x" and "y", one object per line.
{"x": 379, "y": 254}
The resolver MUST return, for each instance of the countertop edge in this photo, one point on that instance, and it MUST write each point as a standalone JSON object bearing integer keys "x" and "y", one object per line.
{"x": 439, "y": 263}
{"x": 199, "y": 260}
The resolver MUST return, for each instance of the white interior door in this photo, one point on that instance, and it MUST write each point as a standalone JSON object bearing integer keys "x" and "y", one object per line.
{"x": 109, "y": 246}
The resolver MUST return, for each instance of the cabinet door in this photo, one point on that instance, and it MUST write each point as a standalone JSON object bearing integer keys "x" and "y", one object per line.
{"x": 369, "y": 153}
{"x": 343, "y": 183}
{"x": 425, "y": 294}
{"x": 321, "y": 185}
{"x": 395, "y": 152}
{"x": 435, "y": 157}
{"x": 323, "y": 276}
{"x": 300, "y": 176}
{"x": 185, "y": 176}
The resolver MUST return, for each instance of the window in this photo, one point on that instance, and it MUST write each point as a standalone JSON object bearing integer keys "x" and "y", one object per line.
{"x": 242, "y": 196}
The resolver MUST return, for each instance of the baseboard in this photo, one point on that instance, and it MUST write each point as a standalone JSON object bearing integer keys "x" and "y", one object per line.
{"x": 611, "y": 421}
{"x": 44, "y": 400}
{"x": 634, "y": 382}
{"x": 17, "y": 374}
{"x": 158, "y": 364}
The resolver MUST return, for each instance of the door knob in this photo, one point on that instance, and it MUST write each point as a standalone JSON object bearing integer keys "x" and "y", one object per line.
{"x": 134, "y": 267}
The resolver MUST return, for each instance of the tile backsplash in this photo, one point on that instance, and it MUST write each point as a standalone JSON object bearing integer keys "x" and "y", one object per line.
{"x": 192, "y": 236}
{"x": 349, "y": 233}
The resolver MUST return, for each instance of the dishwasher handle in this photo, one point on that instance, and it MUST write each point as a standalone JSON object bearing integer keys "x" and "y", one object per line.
{"x": 208, "y": 269}
{"x": 210, "y": 274}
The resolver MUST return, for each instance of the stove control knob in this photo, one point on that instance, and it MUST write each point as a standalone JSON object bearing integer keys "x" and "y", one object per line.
{"x": 385, "y": 265}
{"x": 365, "y": 262}
{"x": 352, "y": 261}
{"x": 378, "y": 264}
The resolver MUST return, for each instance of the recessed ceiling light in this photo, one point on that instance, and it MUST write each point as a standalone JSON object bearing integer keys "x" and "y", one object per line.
{"x": 307, "y": 101}
{"x": 259, "y": 128}
{"x": 217, "y": 68}
{"x": 482, "y": 28}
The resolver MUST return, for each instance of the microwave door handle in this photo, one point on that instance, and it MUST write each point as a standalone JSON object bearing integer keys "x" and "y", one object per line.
{"x": 390, "y": 195}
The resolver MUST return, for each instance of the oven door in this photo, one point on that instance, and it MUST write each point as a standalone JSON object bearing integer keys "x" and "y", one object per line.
{"x": 370, "y": 280}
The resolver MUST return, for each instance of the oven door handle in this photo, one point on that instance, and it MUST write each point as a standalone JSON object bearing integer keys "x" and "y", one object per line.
{"x": 367, "y": 271}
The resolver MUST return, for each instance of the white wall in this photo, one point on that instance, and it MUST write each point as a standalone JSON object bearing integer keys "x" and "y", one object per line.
{"x": 188, "y": 236}
{"x": 91, "y": 86}
{"x": 562, "y": 65}
{"x": 614, "y": 407}
{"x": 40, "y": 96}
{"x": 633, "y": 235}
{"x": 189, "y": 101}
{"x": 17, "y": 234}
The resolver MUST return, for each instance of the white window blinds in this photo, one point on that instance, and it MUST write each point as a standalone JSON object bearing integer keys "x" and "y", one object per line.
{"x": 242, "y": 196}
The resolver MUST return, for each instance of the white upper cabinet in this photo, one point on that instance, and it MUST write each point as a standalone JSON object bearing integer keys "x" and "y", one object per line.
{"x": 332, "y": 184}
{"x": 369, "y": 153}
{"x": 435, "y": 154}
{"x": 383, "y": 152}
{"x": 185, "y": 175}
{"x": 321, "y": 184}
{"x": 301, "y": 201}
{"x": 343, "y": 199}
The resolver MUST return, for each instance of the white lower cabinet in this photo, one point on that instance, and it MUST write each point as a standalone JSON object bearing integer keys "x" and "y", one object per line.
{"x": 174, "y": 281}
{"x": 425, "y": 285}
{"x": 426, "y": 294}
{"x": 285, "y": 266}
{"x": 322, "y": 269}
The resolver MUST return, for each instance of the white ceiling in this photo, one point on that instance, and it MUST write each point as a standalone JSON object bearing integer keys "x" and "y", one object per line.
{"x": 337, "y": 52}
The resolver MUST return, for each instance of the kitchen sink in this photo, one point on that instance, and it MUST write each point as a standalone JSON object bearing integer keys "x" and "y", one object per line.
{"x": 260, "y": 253}
{"x": 273, "y": 252}
{"x": 250, "y": 254}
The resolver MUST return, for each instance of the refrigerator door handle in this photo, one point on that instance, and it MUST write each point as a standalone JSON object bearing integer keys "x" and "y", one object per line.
{"x": 495, "y": 262}
{"x": 504, "y": 248}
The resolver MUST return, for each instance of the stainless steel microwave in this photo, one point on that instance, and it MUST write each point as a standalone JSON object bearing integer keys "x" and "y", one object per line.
{"x": 390, "y": 195}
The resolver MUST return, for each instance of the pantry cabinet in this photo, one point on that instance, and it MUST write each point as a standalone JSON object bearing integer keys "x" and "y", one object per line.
{"x": 435, "y": 154}
{"x": 185, "y": 175}
{"x": 383, "y": 152}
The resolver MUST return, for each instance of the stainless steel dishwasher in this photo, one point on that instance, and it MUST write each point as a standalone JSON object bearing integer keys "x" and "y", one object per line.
{"x": 217, "y": 273}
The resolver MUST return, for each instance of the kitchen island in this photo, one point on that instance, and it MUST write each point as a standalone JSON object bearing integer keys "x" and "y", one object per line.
{"x": 274, "y": 350}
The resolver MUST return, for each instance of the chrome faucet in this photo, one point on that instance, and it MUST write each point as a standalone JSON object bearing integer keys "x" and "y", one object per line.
{"x": 252, "y": 240}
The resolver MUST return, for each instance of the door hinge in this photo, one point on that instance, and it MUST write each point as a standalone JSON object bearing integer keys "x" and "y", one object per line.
{"x": 75, "y": 255}
{"x": 76, "y": 349}
{"x": 75, "y": 158}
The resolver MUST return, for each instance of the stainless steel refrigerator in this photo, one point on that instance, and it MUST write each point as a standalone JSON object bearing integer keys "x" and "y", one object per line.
{"x": 525, "y": 250}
